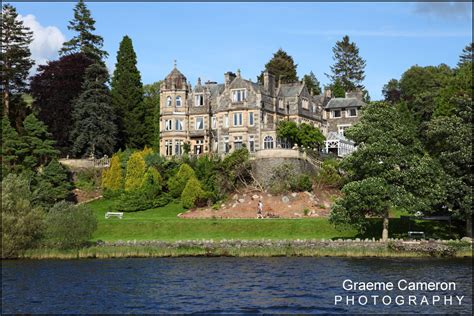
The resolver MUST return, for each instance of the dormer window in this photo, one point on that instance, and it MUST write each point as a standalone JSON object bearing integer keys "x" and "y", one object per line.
{"x": 239, "y": 95}
{"x": 336, "y": 113}
{"x": 280, "y": 104}
{"x": 199, "y": 100}
{"x": 305, "y": 104}
{"x": 178, "y": 101}
{"x": 352, "y": 112}
{"x": 168, "y": 101}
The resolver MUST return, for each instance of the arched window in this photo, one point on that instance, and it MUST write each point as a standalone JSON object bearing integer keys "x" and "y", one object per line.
{"x": 168, "y": 101}
{"x": 178, "y": 101}
{"x": 268, "y": 142}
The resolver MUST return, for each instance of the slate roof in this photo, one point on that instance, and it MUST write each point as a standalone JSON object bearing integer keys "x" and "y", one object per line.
{"x": 337, "y": 103}
{"x": 290, "y": 89}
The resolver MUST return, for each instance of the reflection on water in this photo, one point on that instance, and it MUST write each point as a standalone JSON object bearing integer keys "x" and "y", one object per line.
{"x": 239, "y": 285}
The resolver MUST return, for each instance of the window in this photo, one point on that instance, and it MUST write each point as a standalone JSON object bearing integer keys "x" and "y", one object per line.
{"x": 238, "y": 95}
{"x": 168, "y": 125}
{"x": 168, "y": 101}
{"x": 268, "y": 142}
{"x": 251, "y": 122}
{"x": 178, "y": 101}
{"x": 214, "y": 122}
{"x": 305, "y": 104}
{"x": 226, "y": 144}
{"x": 178, "y": 147}
{"x": 238, "y": 119}
{"x": 353, "y": 112}
{"x": 313, "y": 108}
{"x": 336, "y": 113}
{"x": 251, "y": 143}
{"x": 280, "y": 104}
{"x": 179, "y": 125}
{"x": 168, "y": 148}
{"x": 237, "y": 142}
{"x": 199, "y": 122}
{"x": 199, "y": 100}
{"x": 342, "y": 128}
{"x": 198, "y": 146}
{"x": 226, "y": 120}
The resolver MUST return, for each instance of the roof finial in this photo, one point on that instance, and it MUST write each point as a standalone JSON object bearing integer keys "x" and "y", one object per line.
{"x": 238, "y": 73}
{"x": 175, "y": 61}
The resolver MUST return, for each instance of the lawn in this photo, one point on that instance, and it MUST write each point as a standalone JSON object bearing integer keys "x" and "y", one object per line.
{"x": 163, "y": 224}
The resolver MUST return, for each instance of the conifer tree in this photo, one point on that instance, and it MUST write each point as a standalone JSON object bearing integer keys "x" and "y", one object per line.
{"x": 53, "y": 184}
{"x": 11, "y": 146}
{"x": 85, "y": 41}
{"x": 127, "y": 96}
{"x": 312, "y": 83}
{"x": 282, "y": 67}
{"x": 136, "y": 168}
{"x": 54, "y": 89}
{"x": 94, "y": 130}
{"x": 152, "y": 103}
{"x": 192, "y": 192}
{"x": 349, "y": 67}
{"x": 112, "y": 178}
{"x": 15, "y": 55}
{"x": 39, "y": 147}
{"x": 466, "y": 55}
{"x": 177, "y": 183}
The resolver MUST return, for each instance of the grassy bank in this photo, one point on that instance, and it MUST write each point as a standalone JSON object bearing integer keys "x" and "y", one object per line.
{"x": 103, "y": 252}
{"x": 163, "y": 224}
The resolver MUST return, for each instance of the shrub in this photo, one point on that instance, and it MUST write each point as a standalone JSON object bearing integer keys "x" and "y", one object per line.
{"x": 134, "y": 201}
{"x": 177, "y": 183}
{"x": 235, "y": 170}
{"x": 329, "y": 174}
{"x": 135, "y": 171}
{"x": 152, "y": 183}
{"x": 301, "y": 182}
{"x": 112, "y": 178}
{"x": 22, "y": 222}
{"x": 193, "y": 194}
{"x": 69, "y": 226}
{"x": 88, "y": 179}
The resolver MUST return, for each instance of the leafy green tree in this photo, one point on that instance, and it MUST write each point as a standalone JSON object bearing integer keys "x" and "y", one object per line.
{"x": 69, "y": 226}
{"x": 135, "y": 172}
{"x": 11, "y": 148}
{"x": 94, "y": 131}
{"x": 38, "y": 146}
{"x": 391, "y": 91}
{"x": 466, "y": 55}
{"x": 152, "y": 103}
{"x": 389, "y": 152}
{"x": 177, "y": 183}
{"x": 235, "y": 170}
{"x": 22, "y": 221}
{"x": 312, "y": 83}
{"x": 304, "y": 135}
{"x": 337, "y": 89}
{"x": 53, "y": 184}
{"x": 54, "y": 89}
{"x": 127, "y": 97}
{"x": 112, "y": 178}
{"x": 15, "y": 55}
{"x": 85, "y": 41}
{"x": 192, "y": 193}
{"x": 288, "y": 130}
{"x": 282, "y": 66}
{"x": 348, "y": 66}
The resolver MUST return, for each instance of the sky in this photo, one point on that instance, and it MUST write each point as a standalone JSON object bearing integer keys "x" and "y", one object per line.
{"x": 209, "y": 39}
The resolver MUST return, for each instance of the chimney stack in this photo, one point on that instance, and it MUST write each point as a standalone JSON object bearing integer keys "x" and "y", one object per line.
{"x": 229, "y": 77}
{"x": 269, "y": 82}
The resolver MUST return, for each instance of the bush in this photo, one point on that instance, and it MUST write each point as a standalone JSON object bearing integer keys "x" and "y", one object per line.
{"x": 22, "y": 222}
{"x": 177, "y": 183}
{"x": 112, "y": 178}
{"x": 135, "y": 201}
{"x": 193, "y": 194}
{"x": 152, "y": 183}
{"x": 135, "y": 171}
{"x": 301, "y": 182}
{"x": 88, "y": 179}
{"x": 235, "y": 170}
{"x": 329, "y": 174}
{"x": 69, "y": 226}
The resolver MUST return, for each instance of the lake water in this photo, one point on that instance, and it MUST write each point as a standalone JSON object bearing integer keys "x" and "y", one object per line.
{"x": 232, "y": 285}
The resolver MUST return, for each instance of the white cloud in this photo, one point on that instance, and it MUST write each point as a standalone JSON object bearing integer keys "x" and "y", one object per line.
{"x": 47, "y": 40}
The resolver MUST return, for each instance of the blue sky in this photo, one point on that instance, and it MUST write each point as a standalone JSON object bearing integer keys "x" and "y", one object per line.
{"x": 208, "y": 39}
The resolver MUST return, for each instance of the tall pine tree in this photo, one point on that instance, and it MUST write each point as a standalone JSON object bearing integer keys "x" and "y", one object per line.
{"x": 11, "y": 145}
{"x": 94, "y": 130}
{"x": 127, "y": 98}
{"x": 54, "y": 89}
{"x": 282, "y": 66}
{"x": 152, "y": 103}
{"x": 85, "y": 41}
{"x": 466, "y": 55}
{"x": 312, "y": 83}
{"x": 15, "y": 55}
{"x": 38, "y": 146}
{"x": 349, "y": 67}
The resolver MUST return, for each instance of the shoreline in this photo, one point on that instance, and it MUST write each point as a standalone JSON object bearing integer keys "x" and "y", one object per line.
{"x": 259, "y": 248}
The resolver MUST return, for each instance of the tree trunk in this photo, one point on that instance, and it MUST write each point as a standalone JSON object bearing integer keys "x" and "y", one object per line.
{"x": 6, "y": 102}
{"x": 469, "y": 226}
{"x": 385, "y": 227}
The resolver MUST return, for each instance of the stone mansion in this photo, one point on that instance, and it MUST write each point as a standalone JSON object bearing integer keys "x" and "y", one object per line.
{"x": 220, "y": 118}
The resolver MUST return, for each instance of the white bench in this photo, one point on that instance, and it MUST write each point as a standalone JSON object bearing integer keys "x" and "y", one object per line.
{"x": 117, "y": 214}
{"x": 413, "y": 234}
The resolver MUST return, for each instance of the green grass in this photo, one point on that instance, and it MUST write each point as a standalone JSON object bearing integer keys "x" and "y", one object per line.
{"x": 163, "y": 224}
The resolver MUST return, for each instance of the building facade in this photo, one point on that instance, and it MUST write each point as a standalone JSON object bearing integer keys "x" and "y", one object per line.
{"x": 222, "y": 117}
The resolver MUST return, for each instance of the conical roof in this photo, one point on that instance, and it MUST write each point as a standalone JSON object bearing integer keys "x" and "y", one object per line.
{"x": 175, "y": 80}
